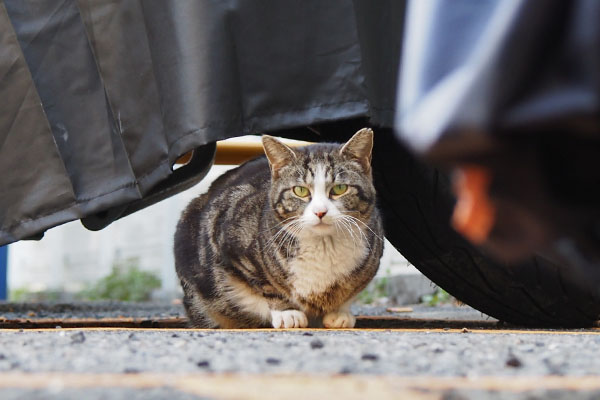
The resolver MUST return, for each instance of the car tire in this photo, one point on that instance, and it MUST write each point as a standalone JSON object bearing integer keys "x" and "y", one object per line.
{"x": 416, "y": 202}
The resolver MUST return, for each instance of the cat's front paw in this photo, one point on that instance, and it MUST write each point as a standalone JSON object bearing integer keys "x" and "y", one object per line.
{"x": 289, "y": 319}
{"x": 339, "y": 319}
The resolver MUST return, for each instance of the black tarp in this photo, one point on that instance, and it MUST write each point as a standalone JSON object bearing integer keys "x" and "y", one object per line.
{"x": 98, "y": 98}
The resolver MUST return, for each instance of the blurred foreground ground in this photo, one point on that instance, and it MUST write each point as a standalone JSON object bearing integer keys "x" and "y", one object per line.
{"x": 443, "y": 352}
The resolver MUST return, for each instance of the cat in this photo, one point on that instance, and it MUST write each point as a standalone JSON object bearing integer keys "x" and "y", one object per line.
{"x": 284, "y": 239}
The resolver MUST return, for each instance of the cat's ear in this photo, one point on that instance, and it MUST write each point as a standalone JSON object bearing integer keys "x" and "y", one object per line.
{"x": 359, "y": 148}
{"x": 277, "y": 153}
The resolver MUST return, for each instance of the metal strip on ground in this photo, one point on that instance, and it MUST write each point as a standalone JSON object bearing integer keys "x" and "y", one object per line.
{"x": 593, "y": 331}
{"x": 369, "y": 323}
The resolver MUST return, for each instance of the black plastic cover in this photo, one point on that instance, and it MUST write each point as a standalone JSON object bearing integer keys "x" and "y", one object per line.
{"x": 98, "y": 98}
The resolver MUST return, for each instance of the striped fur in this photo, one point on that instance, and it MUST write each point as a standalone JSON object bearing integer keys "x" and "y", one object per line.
{"x": 251, "y": 253}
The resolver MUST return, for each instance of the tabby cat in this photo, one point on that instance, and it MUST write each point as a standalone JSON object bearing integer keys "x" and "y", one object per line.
{"x": 282, "y": 240}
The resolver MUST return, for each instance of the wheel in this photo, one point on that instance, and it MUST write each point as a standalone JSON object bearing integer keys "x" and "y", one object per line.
{"x": 416, "y": 203}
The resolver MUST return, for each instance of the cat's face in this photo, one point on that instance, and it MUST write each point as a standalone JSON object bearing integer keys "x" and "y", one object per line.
{"x": 322, "y": 189}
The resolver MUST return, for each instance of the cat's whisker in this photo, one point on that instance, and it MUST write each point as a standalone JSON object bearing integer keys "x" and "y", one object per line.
{"x": 352, "y": 221}
{"x": 297, "y": 229}
{"x": 363, "y": 234}
{"x": 285, "y": 238}
{"x": 283, "y": 230}
{"x": 289, "y": 229}
{"x": 289, "y": 233}
{"x": 367, "y": 226}
{"x": 293, "y": 217}
{"x": 280, "y": 237}
{"x": 352, "y": 225}
{"x": 279, "y": 224}
{"x": 348, "y": 229}
{"x": 339, "y": 227}
{"x": 274, "y": 237}
{"x": 356, "y": 221}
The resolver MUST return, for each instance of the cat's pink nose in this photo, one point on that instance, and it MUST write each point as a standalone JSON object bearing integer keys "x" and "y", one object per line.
{"x": 320, "y": 214}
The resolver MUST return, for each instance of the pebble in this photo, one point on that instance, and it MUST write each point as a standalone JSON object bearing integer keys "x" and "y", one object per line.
{"x": 129, "y": 370}
{"x": 437, "y": 348}
{"x": 316, "y": 344}
{"x": 78, "y": 337}
{"x": 514, "y": 362}
{"x": 370, "y": 357}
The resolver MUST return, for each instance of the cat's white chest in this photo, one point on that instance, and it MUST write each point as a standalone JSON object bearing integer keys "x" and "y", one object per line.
{"x": 324, "y": 260}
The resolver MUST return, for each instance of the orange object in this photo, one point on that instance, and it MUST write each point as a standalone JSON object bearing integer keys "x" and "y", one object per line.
{"x": 474, "y": 214}
{"x": 235, "y": 152}
{"x": 231, "y": 152}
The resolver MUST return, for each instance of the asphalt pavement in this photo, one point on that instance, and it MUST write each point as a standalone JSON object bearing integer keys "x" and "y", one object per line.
{"x": 443, "y": 352}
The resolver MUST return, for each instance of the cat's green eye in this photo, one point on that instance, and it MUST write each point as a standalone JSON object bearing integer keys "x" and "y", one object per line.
{"x": 339, "y": 189}
{"x": 301, "y": 191}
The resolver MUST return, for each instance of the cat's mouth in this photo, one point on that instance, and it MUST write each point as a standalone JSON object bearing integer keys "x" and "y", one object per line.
{"x": 322, "y": 227}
